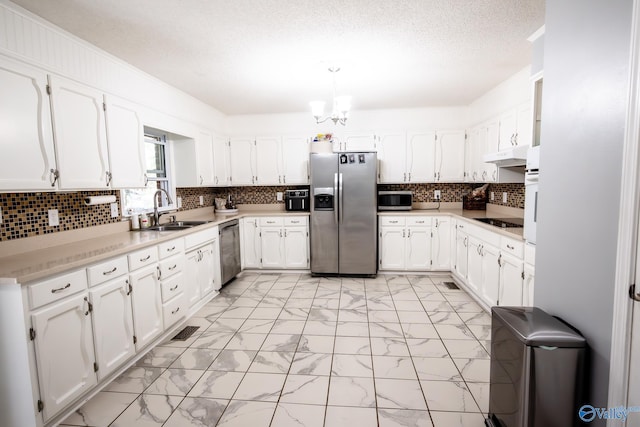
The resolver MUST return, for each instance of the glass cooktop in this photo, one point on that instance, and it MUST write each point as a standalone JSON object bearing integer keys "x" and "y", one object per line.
{"x": 502, "y": 222}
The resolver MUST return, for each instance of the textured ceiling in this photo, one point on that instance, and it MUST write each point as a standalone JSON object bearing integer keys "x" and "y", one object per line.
{"x": 271, "y": 56}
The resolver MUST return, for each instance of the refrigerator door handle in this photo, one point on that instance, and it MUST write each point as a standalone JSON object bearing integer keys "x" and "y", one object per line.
{"x": 335, "y": 195}
{"x": 341, "y": 204}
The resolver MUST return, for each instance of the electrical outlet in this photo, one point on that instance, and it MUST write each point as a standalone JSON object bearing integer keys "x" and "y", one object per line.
{"x": 493, "y": 196}
{"x": 114, "y": 210}
{"x": 201, "y": 200}
{"x": 179, "y": 202}
{"x": 436, "y": 194}
{"x": 504, "y": 197}
{"x": 279, "y": 196}
{"x": 54, "y": 221}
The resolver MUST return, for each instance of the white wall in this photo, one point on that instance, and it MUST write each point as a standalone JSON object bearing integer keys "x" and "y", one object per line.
{"x": 586, "y": 68}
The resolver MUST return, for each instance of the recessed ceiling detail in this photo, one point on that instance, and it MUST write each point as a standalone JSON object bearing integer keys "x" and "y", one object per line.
{"x": 270, "y": 56}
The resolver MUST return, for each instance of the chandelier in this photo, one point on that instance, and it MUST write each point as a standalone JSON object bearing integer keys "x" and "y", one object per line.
{"x": 341, "y": 105}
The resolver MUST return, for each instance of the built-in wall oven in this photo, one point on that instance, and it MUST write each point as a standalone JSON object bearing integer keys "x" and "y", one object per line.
{"x": 531, "y": 195}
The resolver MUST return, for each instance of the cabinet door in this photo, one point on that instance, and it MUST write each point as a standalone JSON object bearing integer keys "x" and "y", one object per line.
{"x": 491, "y": 136}
{"x": 472, "y": 155}
{"x": 450, "y": 156}
{"x": 268, "y": 161}
{"x": 205, "y": 270}
{"x": 296, "y": 247}
{"x": 392, "y": 157}
{"x": 418, "y": 248}
{"x": 272, "y": 240}
{"x": 125, "y": 137}
{"x": 421, "y": 157}
{"x": 147, "y": 305}
{"x": 221, "y": 160}
{"x": 241, "y": 154}
{"x": 365, "y": 141}
{"x": 474, "y": 264}
{"x": 295, "y": 159}
{"x": 490, "y": 274}
{"x": 462, "y": 242}
{"x": 217, "y": 272}
{"x": 511, "y": 269}
{"x": 192, "y": 290}
{"x": 441, "y": 244}
{"x": 80, "y": 135}
{"x": 508, "y": 122}
{"x": 26, "y": 141}
{"x": 251, "y": 246}
{"x": 527, "y": 285}
{"x": 204, "y": 159}
{"x": 112, "y": 325}
{"x": 64, "y": 352}
{"x": 392, "y": 247}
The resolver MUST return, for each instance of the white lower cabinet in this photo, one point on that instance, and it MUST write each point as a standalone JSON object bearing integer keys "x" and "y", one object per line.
{"x": 441, "y": 243}
{"x": 461, "y": 261}
{"x": 275, "y": 242}
{"x": 63, "y": 338}
{"x": 199, "y": 273}
{"x": 528, "y": 285}
{"x": 474, "y": 264}
{"x": 147, "y": 305}
{"x": 490, "y": 274}
{"x": 405, "y": 243}
{"x": 112, "y": 325}
{"x": 511, "y": 280}
{"x": 391, "y": 247}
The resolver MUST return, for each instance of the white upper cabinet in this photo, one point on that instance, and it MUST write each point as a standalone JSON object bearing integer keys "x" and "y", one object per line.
{"x": 204, "y": 158}
{"x": 472, "y": 150}
{"x": 392, "y": 157}
{"x": 26, "y": 140}
{"x": 360, "y": 141}
{"x": 295, "y": 158}
{"x": 80, "y": 135}
{"x": 524, "y": 124}
{"x": 449, "y": 156}
{"x": 489, "y": 139}
{"x": 508, "y": 122}
{"x": 421, "y": 157}
{"x": 125, "y": 135}
{"x": 221, "y": 160}
{"x": 194, "y": 160}
{"x": 242, "y": 161}
{"x": 268, "y": 161}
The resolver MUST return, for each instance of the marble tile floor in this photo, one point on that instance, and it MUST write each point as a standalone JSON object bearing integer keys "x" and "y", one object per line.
{"x": 286, "y": 350}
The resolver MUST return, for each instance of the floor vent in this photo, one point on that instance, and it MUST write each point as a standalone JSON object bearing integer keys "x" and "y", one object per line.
{"x": 185, "y": 333}
{"x": 450, "y": 285}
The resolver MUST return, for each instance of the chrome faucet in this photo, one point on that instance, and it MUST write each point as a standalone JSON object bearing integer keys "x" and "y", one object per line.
{"x": 156, "y": 214}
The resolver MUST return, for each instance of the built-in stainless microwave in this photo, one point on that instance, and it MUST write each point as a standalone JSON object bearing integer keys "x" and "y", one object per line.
{"x": 395, "y": 200}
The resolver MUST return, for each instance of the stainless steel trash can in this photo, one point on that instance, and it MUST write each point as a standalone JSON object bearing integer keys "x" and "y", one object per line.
{"x": 537, "y": 369}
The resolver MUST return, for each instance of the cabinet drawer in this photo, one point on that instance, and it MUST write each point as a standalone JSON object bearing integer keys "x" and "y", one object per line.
{"x": 57, "y": 288}
{"x": 200, "y": 238}
{"x": 170, "y": 248}
{"x": 512, "y": 246}
{"x": 172, "y": 287}
{"x": 392, "y": 221}
{"x": 107, "y": 270}
{"x": 142, "y": 258}
{"x": 174, "y": 310}
{"x": 271, "y": 222}
{"x": 295, "y": 221}
{"x": 171, "y": 266}
{"x": 419, "y": 221}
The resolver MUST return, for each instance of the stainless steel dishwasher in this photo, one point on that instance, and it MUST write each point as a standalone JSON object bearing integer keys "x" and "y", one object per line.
{"x": 229, "y": 249}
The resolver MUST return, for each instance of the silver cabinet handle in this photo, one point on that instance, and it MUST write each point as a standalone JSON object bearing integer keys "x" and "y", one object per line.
{"x": 409, "y": 177}
{"x": 404, "y": 179}
{"x": 106, "y": 273}
{"x": 409, "y": 233}
{"x": 510, "y": 247}
{"x": 158, "y": 273}
{"x": 129, "y": 287}
{"x": 145, "y": 258}
{"x": 108, "y": 177}
{"x": 171, "y": 249}
{"x": 174, "y": 288}
{"x": 54, "y": 291}
{"x": 173, "y": 268}
{"x": 175, "y": 311}
{"x": 201, "y": 180}
{"x": 146, "y": 179}
{"x": 393, "y": 222}
{"x": 55, "y": 175}
{"x": 279, "y": 179}
{"x": 500, "y": 260}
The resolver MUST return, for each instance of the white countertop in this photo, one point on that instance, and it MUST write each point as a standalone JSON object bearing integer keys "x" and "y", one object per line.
{"x": 39, "y": 260}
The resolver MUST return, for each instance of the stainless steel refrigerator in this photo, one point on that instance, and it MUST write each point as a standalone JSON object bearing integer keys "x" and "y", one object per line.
{"x": 343, "y": 213}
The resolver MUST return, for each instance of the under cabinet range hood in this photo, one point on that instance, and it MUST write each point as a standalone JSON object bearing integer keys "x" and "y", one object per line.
{"x": 513, "y": 156}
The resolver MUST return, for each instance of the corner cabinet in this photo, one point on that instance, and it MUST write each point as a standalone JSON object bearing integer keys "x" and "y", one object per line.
{"x": 194, "y": 160}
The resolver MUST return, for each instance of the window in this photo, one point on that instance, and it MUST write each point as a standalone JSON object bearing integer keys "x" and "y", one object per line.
{"x": 156, "y": 150}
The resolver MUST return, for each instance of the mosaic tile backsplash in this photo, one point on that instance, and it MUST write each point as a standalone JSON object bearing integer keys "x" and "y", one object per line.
{"x": 26, "y": 214}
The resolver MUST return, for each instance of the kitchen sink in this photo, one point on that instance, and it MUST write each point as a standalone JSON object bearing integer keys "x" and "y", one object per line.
{"x": 175, "y": 226}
